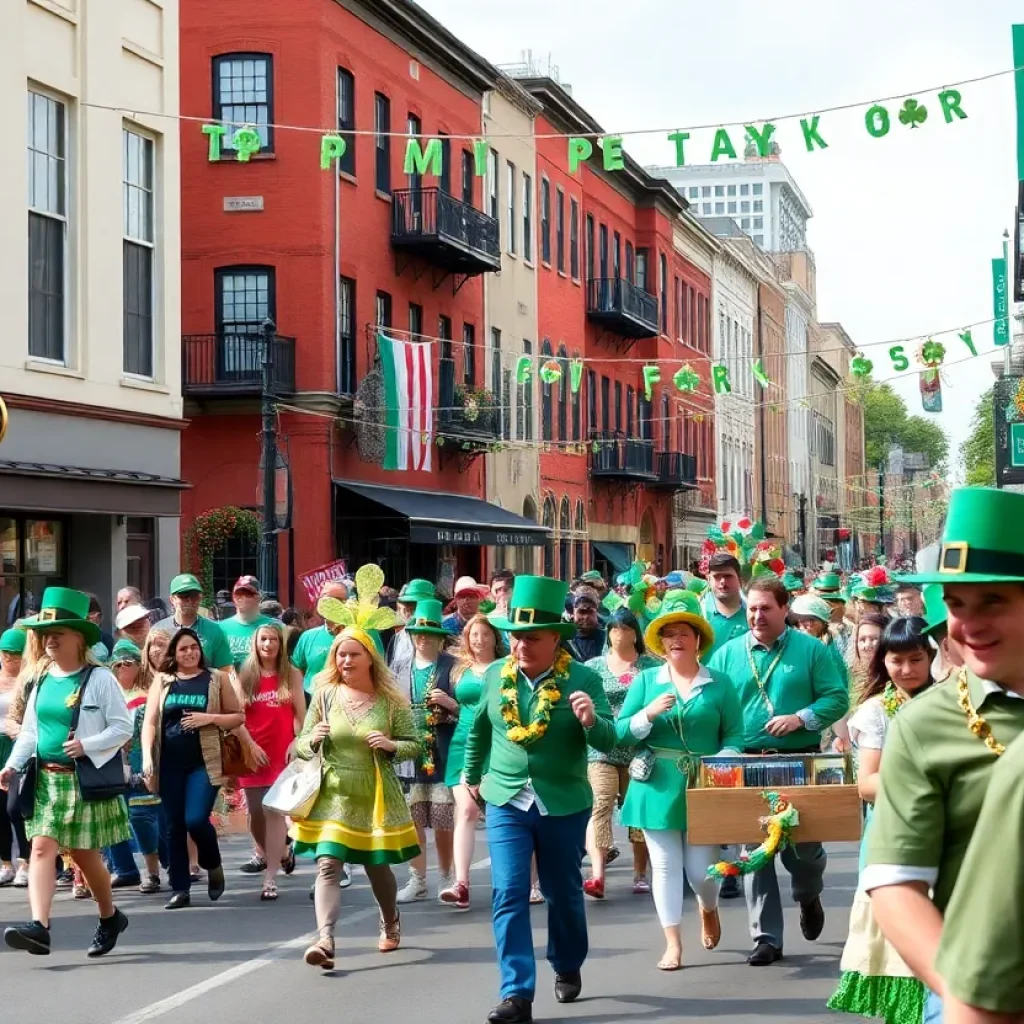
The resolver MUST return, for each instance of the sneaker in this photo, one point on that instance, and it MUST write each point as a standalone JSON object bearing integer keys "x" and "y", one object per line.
{"x": 80, "y": 891}
{"x": 253, "y": 866}
{"x": 66, "y": 879}
{"x": 612, "y": 856}
{"x": 641, "y": 887}
{"x": 107, "y": 932}
{"x": 444, "y": 883}
{"x": 149, "y": 885}
{"x": 594, "y": 888}
{"x": 346, "y": 877}
{"x": 456, "y": 895}
{"x": 7, "y": 874}
{"x": 21, "y": 878}
{"x": 125, "y": 881}
{"x": 415, "y": 889}
{"x": 32, "y": 937}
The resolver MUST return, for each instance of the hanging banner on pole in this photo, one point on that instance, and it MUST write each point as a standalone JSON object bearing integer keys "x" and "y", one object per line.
{"x": 931, "y": 391}
{"x": 1000, "y": 303}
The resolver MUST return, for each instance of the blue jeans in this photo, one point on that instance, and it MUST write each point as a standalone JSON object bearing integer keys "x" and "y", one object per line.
{"x": 146, "y": 827}
{"x": 513, "y": 837}
{"x": 121, "y": 861}
{"x": 187, "y": 799}
{"x": 932, "y": 1009}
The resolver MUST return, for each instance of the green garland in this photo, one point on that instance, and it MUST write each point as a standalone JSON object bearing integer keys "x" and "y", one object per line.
{"x": 209, "y": 532}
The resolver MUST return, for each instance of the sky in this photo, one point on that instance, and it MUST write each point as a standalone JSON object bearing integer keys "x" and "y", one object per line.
{"x": 904, "y": 227}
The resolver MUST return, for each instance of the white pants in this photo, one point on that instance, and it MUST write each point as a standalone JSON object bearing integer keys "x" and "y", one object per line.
{"x": 671, "y": 855}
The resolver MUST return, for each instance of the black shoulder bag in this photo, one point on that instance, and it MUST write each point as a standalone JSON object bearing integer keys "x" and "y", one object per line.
{"x": 21, "y": 797}
{"x": 109, "y": 780}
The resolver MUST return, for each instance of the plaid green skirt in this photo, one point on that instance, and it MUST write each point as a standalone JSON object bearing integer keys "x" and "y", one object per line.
{"x": 62, "y": 815}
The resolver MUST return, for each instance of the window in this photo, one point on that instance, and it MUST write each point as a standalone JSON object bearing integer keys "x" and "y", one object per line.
{"x": 576, "y": 426}
{"x": 745, "y": 223}
{"x": 445, "y": 181}
{"x": 510, "y": 223}
{"x": 758, "y": 206}
{"x": 603, "y": 250}
{"x": 630, "y": 407}
{"x": 382, "y": 125}
{"x": 694, "y": 192}
{"x": 719, "y": 208}
{"x": 245, "y": 297}
{"x": 469, "y": 355}
{"x": 237, "y": 556}
{"x": 678, "y": 292}
{"x": 382, "y": 310}
{"x": 618, "y": 407}
{"x": 545, "y": 220}
{"x": 744, "y": 190}
{"x": 347, "y": 333}
{"x": 527, "y": 218}
{"x": 693, "y": 318}
{"x": 630, "y": 265}
{"x": 759, "y": 239}
{"x": 548, "y": 519}
{"x": 705, "y": 191}
{"x": 560, "y": 230}
{"x": 591, "y": 400}
{"x": 730, "y": 207}
{"x": 414, "y": 126}
{"x": 641, "y": 269}
{"x": 467, "y": 177}
{"x": 663, "y": 293}
{"x": 527, "y": 434}
{"x": 664, "y": 421}
{"x": 719, "y": 191}
{"x": 47, "y": 227}
{"x": 563, "y": 395}
{"x": 616, "y": 247}
{"x": 758, "y": 190}
{"x": 347, "y": 119}
{"x": 444, "y": 332}
{"x": 574, "y": 239}
{"x": 138, "y": 254}
{"x": 606, "y": 401}
{"x": 243, "y": 93}
{"x": 590, "y": 247}
{"x": 415, "y": 321}
{"x": 547, "y": 398}
{"x": 706, "y": 209}
{"x": 730, "y": 190}
{"x": 496, "y": 360}
{"x": 643, "y": 416}
{"x": 492, "y": 184}
{"x": 758, "y": 223}
{"x": 745, "y": 206}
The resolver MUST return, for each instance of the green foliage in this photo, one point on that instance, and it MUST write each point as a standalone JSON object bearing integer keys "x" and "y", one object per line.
{"x": 979, "y": 450}
{"x": 886, "y": 423}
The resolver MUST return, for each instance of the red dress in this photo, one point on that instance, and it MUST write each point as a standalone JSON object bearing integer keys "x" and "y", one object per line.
{"x": 269, "y": 721}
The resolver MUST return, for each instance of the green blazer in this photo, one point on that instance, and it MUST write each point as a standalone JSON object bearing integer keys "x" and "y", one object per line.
{"x": 710, "y": 721}
{"x": 556, "y": 764}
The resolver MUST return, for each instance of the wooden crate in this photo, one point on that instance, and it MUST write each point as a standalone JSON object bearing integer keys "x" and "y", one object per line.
{"x": 828, "y": 814}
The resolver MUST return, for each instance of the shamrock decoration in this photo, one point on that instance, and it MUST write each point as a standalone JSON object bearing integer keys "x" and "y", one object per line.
{"x": 685, "y": 379}
{"x": 913, "y": 114}
{"x": 550, "y": 372}
{"x": 860, "y": 366}
{"x": 246, "y": 141}
{"x": 932, "y": 353}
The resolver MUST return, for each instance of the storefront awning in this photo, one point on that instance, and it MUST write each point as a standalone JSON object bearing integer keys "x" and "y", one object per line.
{"x": 619, "y": 555}
{"x": 439, "y": 518}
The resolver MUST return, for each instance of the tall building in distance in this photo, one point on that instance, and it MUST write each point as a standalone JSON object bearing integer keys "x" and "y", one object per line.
{"x": 758, "y": 193}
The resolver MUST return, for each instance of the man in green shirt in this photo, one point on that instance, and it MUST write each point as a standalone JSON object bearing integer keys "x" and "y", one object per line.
{"x": 723, "y": 602}
{"x": 790, "y": 688}
{"x": 186, "y": 595}
{"x": 538, "y": 713}
{"x": 310, "y": 654}
{"x": 940, "y": 750}
{"x": 242, "y": 626}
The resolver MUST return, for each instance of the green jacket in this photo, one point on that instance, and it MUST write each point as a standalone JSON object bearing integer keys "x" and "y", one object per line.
{"x": 556, "y": 764}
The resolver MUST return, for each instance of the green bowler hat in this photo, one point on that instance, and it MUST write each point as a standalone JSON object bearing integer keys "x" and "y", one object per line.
{"x": 980, "y": 543}
{"x": 427, "y": 619}
{"x": 417, "y": 590}
{"x": 828, "y": 585}
{"x": 537, "y": 603}
{"x": 65, "y": 609}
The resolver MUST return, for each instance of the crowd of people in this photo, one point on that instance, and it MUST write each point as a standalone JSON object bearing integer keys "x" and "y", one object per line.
{"x": 380, "y": 733}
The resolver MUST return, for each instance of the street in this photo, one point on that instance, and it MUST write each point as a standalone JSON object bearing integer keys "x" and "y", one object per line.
{"x": 241, "y": 961}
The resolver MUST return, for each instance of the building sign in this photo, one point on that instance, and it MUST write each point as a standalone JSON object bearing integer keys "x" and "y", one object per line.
{"x": 475, "y": 536}
{"x": 314, "y": 580}
{"x": 1008, "y": 420}
{"x": 1017, "y": 445}
{"x": 243, "y": 204}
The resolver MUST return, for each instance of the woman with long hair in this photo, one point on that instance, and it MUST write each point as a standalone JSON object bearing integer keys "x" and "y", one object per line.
{"x": 12, "y": 646}
{"x": 480, "y": 646}
{"x": 875, "y": 981}
{"x": 270, "y": 691}
{"x": 76, "y": 711}
{"x": 187, "y": 708}
{"x": 361, "y": 723}
{"x": 866, "y": 635}
{"x": 624, "y": 658}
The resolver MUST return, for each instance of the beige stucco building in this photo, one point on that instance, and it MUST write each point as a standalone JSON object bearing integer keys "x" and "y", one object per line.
{"x": 89, "y": 361}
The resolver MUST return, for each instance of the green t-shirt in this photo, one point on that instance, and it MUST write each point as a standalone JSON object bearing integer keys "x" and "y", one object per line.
{"x": 239, "y": 635}
{"x": 53, "y": 716}
{"x": 310, "y": 654}
{"x": 981, "y": 955}
{"x": 214, "y": 643}
{"x": 726, "y": 627}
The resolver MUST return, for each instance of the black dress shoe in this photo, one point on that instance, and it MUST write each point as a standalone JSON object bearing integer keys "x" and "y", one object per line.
{"x": 178, "y": 901}
{"x": 32, "y": 937}
{"x": 107, "y": 932}
{"x": 764, "y": 954}
{"x": 731, "y": 888}
{"x": 568, "y": 987}
{"x": 215, "y": 883}
{"x": 514, "y": 1010}
{"x": 812, "y": 919}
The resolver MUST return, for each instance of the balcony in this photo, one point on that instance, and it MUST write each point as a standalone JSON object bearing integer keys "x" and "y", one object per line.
{"x": 467, "y": 419}
{"x": 621, "y": 458}
{"x": 676, "y": 471}
{"x": 444, "y": 231}
{"x": 622, "y": 307}
{"x": 231, "y": 365}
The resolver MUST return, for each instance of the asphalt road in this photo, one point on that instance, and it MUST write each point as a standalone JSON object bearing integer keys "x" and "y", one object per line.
{"x": 240, "y": 962}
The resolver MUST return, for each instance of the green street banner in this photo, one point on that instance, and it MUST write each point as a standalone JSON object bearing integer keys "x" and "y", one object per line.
{"x": 1000, "y": 303}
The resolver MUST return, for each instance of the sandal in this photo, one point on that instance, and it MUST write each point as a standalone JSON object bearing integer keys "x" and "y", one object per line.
{"x": 710, "y": 928}
{"x": 80, "y": 891}
{"x": 269, "y": 893}
{"x": 321, "y": 954}
{"x": 288, "y": 861}
{"x": 671, "y": 963}
{"x": 536, "y": 896}
{"x": 390, "y": 934}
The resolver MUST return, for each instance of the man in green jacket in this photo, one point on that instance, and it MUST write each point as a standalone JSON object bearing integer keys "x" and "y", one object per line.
{"x": 538, "y": 714}
{"x": 791, "y": 688}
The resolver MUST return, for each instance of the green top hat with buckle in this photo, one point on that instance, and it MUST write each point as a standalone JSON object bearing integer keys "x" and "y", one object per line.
{"x": 427, "y": 619}
{"x": 62, "y": 608}
{"x": 417, "y": 590}
{"x": 935, "y": 611}
{"x": 537, "y": 603}
{"x": 828, "y": 585}
{"x": 980, "y": 544}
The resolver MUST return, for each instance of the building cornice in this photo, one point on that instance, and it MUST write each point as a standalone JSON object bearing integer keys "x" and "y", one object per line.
{"x": 92, "y": 412}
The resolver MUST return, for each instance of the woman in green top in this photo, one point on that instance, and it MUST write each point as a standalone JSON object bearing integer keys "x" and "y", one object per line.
{"x": 481, "y": 646}
{"x": 623, "y": 659}
{"x": 679, "y": 713}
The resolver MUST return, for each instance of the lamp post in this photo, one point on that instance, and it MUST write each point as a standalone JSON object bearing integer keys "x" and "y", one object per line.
{"x": 268, "y": 541}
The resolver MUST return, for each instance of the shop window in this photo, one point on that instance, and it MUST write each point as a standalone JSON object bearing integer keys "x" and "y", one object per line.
{"x": 237, "y": 556}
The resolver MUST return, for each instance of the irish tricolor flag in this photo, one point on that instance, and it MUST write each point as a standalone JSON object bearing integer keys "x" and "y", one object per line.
{"x": 408, "y": 403}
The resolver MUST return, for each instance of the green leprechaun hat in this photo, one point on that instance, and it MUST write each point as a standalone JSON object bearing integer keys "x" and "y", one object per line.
{"x": 427, "y": 619}
{"x": 537, "y": 603}
{"x": 792, "y": 582}
{"x": 679, "y": 606}
{"x": 980, "y": 544}
{"x": 63, "y": 608}
{"x": 935, "y": 611}
{"x": 828, "y": 585}
{"x": 417, "y": 590}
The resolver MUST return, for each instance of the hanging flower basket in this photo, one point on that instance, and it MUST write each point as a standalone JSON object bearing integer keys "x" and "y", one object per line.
{"x": 209, "y": 532}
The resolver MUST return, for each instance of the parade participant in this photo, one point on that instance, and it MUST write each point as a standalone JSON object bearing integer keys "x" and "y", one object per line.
{"x": 722, "y": 604}
{"x": 400, "y": 652}
{"x": 501, "y": 589}
{"x": 941, "y": 749}
{"x": 608, "y": 772}
{"x": 866, "y": 635}
{"x": 875, "y": 980}
{"x": 678, "y": 713}
{"x": 248, "y": 617}
{"x": 133, "y": 624}
{"x": 186, "y": 595}
{"x": 812, "y": 615}
{"x": 590, "y": 638}
{"x": 794, "y": 584}
{"x": 310, "y": 654}
{"x": 872, "y": 592}
{"x": 467, "y": 597}
{"x": 482, "y": 644}
{"x": 538, "y": 713}
{"x": 126, "y": 597}
{"x": 187, "y": 708}
{"x": 361, "y": 724}
{"x": 829, "y": 587}
{"x": 790, "y": 688}
{"x": 909, "y": 600}
{"x": 12, "y": 644}
{"x": 271, "y": 695}
{"x": 59, "y": 729}
{"x": 428, "y": 683}
{"x": 105, "y": 644}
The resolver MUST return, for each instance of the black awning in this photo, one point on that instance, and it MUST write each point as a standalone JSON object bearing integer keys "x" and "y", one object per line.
{"x": 436, "y": 517}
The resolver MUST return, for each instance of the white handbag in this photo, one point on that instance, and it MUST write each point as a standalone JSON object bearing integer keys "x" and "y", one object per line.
{"x": 297, "y": 787}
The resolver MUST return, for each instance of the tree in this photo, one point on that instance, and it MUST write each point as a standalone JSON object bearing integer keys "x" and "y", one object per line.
{"x": 887, "y": 423}
{"x": 979, "y": 450}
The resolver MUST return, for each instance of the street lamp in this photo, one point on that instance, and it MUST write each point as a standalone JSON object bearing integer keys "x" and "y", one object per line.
{"x": 268, "y": 540}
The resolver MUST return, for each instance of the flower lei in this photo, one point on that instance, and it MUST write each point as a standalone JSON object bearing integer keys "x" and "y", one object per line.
{"x": 975, "y": 722}
{"x": 892, "y": 700}
{"x": 779, "y": 825}
{"x": 548, "y": 695}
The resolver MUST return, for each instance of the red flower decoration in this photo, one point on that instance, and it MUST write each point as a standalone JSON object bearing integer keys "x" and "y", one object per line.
{"x": 876, "y": 577}
{"x": 726, "y": 526}
{"x": 777, "y": 565}
{"x": 744, "y": 523}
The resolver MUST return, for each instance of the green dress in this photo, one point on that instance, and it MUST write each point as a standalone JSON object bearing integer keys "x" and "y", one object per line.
{"x": 467, "y": 692}
{"x": 360, "y": 815}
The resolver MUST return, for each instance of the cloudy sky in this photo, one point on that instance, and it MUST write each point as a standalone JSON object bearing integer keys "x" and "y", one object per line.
{"x": 905, "y": 226}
